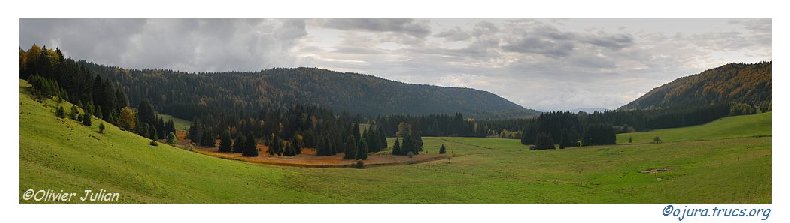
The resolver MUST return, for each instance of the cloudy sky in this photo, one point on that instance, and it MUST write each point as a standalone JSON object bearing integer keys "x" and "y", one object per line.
{"x": 545, "y": 64}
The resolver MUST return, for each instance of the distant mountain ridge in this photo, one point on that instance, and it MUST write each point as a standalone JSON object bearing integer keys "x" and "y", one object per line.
{"x": 730, "y": 83}
{"x": 185, "y": 94}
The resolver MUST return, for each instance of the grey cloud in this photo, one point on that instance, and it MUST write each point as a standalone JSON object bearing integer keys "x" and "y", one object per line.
{"x": 760, "y": 26}
{"x": 357, "y": 50}
{"x": 454, "y": 34}
{"x": 101, "y": 39}
{"x": 546, "y": 47}
{"x": 291, "y": 29}
{"x": 406, "y": 26}
{"x": 537, "y": 63}
{"x": 182, "y": 44}
{"x": 484, "y": 28}
{"x": 612, "y": 42}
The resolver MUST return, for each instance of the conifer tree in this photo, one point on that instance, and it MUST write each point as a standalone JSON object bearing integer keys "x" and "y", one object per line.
{"x": 86, "y": 119}
{"x": 250, "y": 147}
{"x": 238, "y": 143}
{"x": 351, "y": 148}
{"x": 225, "y": 142}
{"x": 396, "y": 150}
{"x": 362, "y": 150}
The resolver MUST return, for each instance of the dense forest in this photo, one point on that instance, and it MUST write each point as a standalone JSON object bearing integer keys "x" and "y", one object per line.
{"x": 288, "y": 110}
{"x": 433, "y": 125}
{"x": 53, "y": 75}
{"x": 568, "y": 129}
{"x": 732, "y": 89}
{"x": 748, "y": 84}
{"x": 284, "y": 130}
{"x": 186, "y": 95}
{"x": 287, "y": 131}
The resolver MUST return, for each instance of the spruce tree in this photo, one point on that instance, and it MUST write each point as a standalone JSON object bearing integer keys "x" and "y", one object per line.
{"x": 86, "y": 119}
{"x": 362, "y": 150}
{"x": 225, "y": 142}
{"x": 407, "y": 145}
{"x": 396, "y": 150}
{"x": 544, "y": 141}
{"x": 382, "y": 139}
{"x": 277, "y": 145}
{"x": 250, "y": 147}
{"x": 351, "y": 148}
{"x": 355, "y": 130}
{"x": 74, "y": 114}
{"x": 171, "y": 138}
{"x": 238, "y": 144}
{"x": 60, "y": 112}
{"x": 442, "y": 150}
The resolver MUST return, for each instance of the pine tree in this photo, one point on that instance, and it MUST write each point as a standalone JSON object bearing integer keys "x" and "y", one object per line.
{"x": 225, "y": 142}
{"x": 355, "y": 130}
{"x": 60, "y": 112}
{"x": 396, "y": 150}
{"x": 171, "y": 138}
{"x": 250, "y": 147}
{"x": 544, "y": 141}
{"x": 271, "y": 150}
{"x": 154, "y": 133}
{"x": 74, "y": 113}
{"x": 208, "y": 139}
{"x": 101, "y": 127}
{"x": 362, "y": 150}
{"x": 277, "y": 145}
{"x": 238, "y": 144}
{"x": 86, "y": 119}
{"x": 442, "y": 150}
{"x": 351, "y": 147}
{"x": 289, "y": 149}
{"x": 382, "y": 139}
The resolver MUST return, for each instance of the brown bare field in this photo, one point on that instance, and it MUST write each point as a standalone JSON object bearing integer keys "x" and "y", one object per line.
{"x": 309, "y": 159}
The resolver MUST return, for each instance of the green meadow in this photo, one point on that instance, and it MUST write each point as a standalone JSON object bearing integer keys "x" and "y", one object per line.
{"x": 180, "y": 124}
{"x": 725, "y": 161}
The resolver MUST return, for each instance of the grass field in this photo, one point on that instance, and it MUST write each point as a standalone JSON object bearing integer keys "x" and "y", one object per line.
{"x": 729, "y": 127}
{"x": 716, "y": 163}
{"x": 180, "y": 124}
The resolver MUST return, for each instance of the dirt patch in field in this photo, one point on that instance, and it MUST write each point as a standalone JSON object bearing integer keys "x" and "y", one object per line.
{"x": 654, "y": 170}
{"x": 309, "y": 159}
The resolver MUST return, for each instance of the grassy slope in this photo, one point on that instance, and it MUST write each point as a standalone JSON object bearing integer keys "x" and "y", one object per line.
{"x": 61, "y": 154}
{"x": 64, "y": 155}
{"x": 756, "y": 125}
{"x": 180, "y": 124}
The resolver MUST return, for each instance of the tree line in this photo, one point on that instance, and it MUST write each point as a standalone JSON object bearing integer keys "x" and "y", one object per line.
{"x": 51, "y": 74}
{"x": 432, "y": 125}
{"x": 285, "y": 132}
{"x": 566, "y": 130}
{"x": 186, "y": 95}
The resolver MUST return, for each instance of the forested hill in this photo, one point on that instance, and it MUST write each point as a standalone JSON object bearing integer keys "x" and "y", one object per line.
{"x": 732, "y": 83}
{"x": 186, "y": 95}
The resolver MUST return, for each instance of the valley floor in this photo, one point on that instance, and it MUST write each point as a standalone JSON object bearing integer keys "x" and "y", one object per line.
{"x": 722, "y": 166}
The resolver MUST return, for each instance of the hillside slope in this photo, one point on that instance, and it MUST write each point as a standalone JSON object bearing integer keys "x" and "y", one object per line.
{"x": 744, "y": 126}
{"x": 187, "y": 94}
{"x": 744, "y": 83}
{"x": 61, "y": 154}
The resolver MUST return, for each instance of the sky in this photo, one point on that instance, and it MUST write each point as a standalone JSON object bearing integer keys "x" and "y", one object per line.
{"x": 543, "y": 64}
